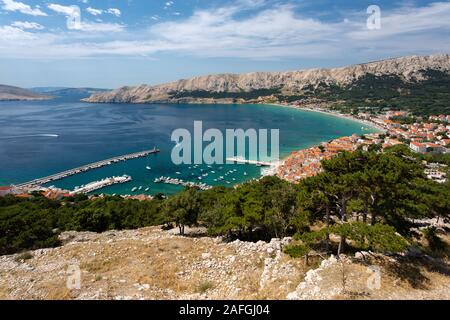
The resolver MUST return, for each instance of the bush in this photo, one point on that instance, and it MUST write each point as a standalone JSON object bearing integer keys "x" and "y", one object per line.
{"x": 434, "y": 242}
{"x": 27, "y": 255}
{"x": 379, "y": 237}
{"x": 296, "y": 251}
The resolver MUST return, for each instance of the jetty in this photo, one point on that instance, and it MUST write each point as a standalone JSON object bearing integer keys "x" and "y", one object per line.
{"x": 85, "y": 168}
{"x": 97, "y": 185}
{"x": 180, "y": 182}
{"x": 245, "y": 161}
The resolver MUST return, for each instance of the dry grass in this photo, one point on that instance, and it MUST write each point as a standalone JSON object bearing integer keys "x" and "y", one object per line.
{"x": 205, "y": 286}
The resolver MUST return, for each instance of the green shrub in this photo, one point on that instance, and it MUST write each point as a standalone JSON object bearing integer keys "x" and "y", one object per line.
{"x": 296, "y": 251}
{"x": 434, "y": 242}
{"x": 27, "y": 255}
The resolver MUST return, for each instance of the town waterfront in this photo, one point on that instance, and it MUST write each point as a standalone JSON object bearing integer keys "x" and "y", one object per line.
{"x": 42, "y": 138}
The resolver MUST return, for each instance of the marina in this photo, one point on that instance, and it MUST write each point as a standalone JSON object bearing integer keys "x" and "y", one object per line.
{"x": 97, "y": 185}
{"x": 245, "y": 161}
{"x": 85, "y": 168}
{"x": 180, "y": 182}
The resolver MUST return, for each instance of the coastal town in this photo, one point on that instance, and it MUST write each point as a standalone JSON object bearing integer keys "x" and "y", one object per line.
{"x": 426, "y": 136}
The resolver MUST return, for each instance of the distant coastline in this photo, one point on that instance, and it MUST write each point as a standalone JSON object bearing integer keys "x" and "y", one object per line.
{"x": 16, "y": 99}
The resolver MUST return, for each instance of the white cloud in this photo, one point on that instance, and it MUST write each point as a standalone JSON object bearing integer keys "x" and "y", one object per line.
{"x": 94, "y": 12}
{"x": 270, "y": 33}
{"x": 280, "y": 32}
{"x": 10, "y": 33}
{"x": 408, "y": 20}
{"x": 168, "y": 4}
{"x": 101, "y": 27}
{"x": 74, "y": 21}
{"x": 97, "y": 12}
{"x": 265, "y": 33}
{"x": 114, "y": 11}
{"x": 11, "y": 5}
{"x": 27, "y": 25}
{"x": 66, "y": 10}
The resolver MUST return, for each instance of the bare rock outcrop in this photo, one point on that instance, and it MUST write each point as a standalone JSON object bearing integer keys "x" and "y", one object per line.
{"x": 150, "y": 263}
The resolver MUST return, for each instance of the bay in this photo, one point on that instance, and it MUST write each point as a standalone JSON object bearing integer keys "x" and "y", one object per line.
{"x": 45, "y": 137}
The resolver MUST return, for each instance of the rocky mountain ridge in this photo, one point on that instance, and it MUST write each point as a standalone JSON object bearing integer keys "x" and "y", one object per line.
{"x": 225, "y": 88}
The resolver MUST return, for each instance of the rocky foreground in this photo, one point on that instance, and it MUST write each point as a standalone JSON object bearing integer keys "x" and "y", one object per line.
{"x": 154, "y": 264}
{"x": 228, "y": 88}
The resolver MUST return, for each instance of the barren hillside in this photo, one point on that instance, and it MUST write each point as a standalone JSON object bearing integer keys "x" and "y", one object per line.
{"x": 154, "y": 264}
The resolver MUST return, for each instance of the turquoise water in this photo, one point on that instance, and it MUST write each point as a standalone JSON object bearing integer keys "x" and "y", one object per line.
{"x": 42, "y": 138}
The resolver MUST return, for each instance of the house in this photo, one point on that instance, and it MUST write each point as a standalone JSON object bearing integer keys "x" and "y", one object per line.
{"x": 430, "y": 126}
{"x": 434, "y": 148}
{"x": 418, "y": 147}
{"x": 53, "y": 194}
{"x": 444, "y": 142}
{"x": 5, "y": 191}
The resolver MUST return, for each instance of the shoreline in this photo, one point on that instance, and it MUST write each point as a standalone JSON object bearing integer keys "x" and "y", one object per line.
{"x": 273, "y": 171}
{"x": 330, "y": 113}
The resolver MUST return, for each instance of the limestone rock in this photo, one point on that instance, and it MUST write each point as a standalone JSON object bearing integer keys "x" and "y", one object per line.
{"x": 407, "y": 68}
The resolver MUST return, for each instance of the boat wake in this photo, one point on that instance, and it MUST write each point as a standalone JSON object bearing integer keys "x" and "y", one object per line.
{"x": 44, "y": 135}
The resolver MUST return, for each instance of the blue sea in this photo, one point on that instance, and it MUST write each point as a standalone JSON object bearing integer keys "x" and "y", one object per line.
{"x": 41, "y": 138}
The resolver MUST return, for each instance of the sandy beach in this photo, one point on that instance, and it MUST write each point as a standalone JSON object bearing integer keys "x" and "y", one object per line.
{"x": 335, "y": 114}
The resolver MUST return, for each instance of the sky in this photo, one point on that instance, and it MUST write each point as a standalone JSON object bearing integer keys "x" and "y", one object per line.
{"x": 111, "y": 43}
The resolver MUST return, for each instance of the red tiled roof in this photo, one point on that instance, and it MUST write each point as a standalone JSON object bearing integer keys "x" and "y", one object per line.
{"x": 417, "y": 144}
{"x": 23, "y": 195}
